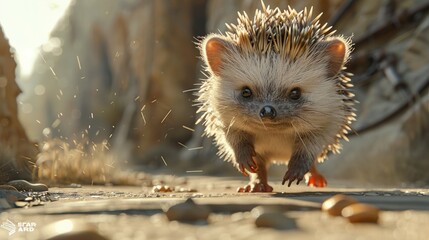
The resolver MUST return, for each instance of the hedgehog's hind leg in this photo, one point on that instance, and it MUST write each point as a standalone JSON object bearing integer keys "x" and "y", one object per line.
{"x": 259, "y": 180}
{"x": 314, "y": 179}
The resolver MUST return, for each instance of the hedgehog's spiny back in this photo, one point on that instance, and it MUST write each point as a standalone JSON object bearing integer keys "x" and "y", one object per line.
{"x": 288, "y": 33}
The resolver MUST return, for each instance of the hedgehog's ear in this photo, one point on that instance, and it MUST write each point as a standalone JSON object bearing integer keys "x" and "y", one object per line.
{"x": 337, "y": 52}
{"x": 214, "y": 52}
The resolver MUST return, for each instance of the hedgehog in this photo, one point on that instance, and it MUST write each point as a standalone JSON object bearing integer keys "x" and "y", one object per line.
{"x": 276, "y": 91}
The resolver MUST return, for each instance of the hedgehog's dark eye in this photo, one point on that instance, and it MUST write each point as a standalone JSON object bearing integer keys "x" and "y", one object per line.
{"x": 246, "y": 92}
{"x": 295, "y": 94}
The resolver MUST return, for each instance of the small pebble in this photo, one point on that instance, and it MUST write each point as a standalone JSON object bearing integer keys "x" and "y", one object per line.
{"x": 335, "y": 204}
{"x": 272, "y": 217}
{"x": 70, "y": 229}
{"x": 361, "y": 213}
{"x": 23, "y": 185}
{"x": 275, "y": 220}
{"x": 22, "y": 204}
{"x": 188, "y": 211}
{"x": 161, "y": 188}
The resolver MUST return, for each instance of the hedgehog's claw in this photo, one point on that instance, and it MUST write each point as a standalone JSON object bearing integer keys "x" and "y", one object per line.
{"x": 291, "y": 177}
{"x": 248, "y": 166}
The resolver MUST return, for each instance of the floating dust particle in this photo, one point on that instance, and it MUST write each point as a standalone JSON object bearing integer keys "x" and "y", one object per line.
{"x": 38, "y": 121}
{"x": 92, "y": 115}
{"x": 188, "y": 128}
{"x": 82, "y": 77}
{"x": 195, "y": 148}
{"x": 78, "y": 62}
{"x": 52, "y": 70}
{"x": 183, "y": 145}
{"x": 194, "y": 171}
{"x": 141, "y": 112}
{"x": 43, "y": 58}
{"x": 166, "y": 115}
{"x": 164, "y": 161}
{"x": 144, "y": 119}
{"x": 56, "y": 123}
{"x": 137, "y": 98}
{"x": 61, "y": 92}
{"x": 154, "y": 101}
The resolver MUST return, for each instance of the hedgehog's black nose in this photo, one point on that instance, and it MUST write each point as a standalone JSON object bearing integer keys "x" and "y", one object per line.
{"x": 268, "y": 112}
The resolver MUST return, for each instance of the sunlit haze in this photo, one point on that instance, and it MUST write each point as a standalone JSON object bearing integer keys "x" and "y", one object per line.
{"x": 27, "y": 24}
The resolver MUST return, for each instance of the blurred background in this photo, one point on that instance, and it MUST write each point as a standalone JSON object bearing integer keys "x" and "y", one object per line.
{"x": 89, "y": 88}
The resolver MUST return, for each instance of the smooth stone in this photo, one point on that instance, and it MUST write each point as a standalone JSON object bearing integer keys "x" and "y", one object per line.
{"x": 188, "y": 211}
{"x": 361, "y": 213}
{"x": 335, "y": 204}
{"x": 70, "y": 229}
{"x": 23, "y": 185}
{"x": 275, "y": 220}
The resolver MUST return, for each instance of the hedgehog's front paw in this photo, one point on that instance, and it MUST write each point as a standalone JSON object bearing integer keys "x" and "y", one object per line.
{"x": 256, "y": 187}
{"x": 297, "y": 168}
{"x": 245, "y": 160}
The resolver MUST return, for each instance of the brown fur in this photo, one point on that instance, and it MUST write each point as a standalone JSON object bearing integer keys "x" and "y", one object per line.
{"x": 272, "y": 55}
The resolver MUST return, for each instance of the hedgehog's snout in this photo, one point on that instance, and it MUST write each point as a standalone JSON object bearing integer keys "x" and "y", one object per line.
{"x": 268, "y": 112}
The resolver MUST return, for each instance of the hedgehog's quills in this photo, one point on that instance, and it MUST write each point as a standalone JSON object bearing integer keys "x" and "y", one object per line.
{"x": 276, "y": 92}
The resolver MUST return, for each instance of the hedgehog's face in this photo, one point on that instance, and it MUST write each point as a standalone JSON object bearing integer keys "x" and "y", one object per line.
{"x": 254, "y": 91}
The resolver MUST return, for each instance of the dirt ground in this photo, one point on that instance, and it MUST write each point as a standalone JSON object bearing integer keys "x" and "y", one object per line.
{"x": 117, "y": 212}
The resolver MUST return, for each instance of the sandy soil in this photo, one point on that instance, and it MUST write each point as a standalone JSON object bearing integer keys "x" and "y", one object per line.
{"x": 117, "y": 212}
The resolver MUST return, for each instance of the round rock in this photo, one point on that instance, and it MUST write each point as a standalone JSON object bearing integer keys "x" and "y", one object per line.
{"x": 272, "y": 217}
{"x": 361, "y": 213}
{"x": 188, "y": 211}
{"x": 275, "y": 220}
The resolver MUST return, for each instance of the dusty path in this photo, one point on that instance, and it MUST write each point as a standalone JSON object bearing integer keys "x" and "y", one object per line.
{"x": 137, "y": 212}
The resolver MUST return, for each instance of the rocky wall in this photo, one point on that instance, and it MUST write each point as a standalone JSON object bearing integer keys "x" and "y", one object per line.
{"x": 17, "y": 153}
